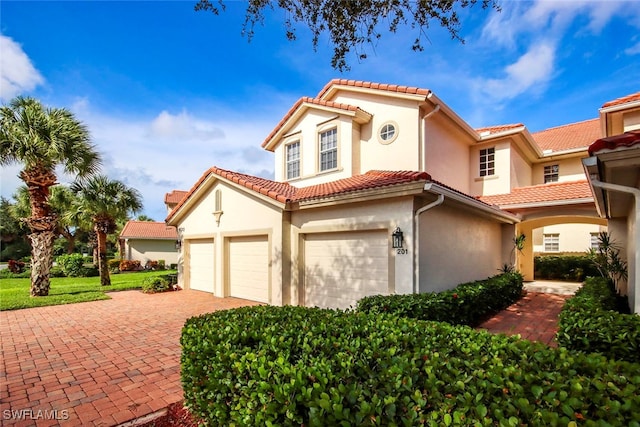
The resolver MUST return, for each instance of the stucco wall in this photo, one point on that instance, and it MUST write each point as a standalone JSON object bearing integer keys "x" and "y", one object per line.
{"x": 500, "y": 182}
{"x": 447, "y": 153}
{"x": 569, "y": 170}
{"x": 521, "y": 170}
{"x": 572, "y": 237}
{"x": 151, "y": 250}
{"x": 380, "y": 215}
{"x": 243, "y": 215}
{"x": 457, "y": 247}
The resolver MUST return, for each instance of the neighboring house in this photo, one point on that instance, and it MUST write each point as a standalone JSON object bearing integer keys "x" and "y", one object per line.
{"x": 613, "y": 169}
{"x": 172, "y": 199}
{"x": 149, "y": 241}
{"x": 360, "y": 165}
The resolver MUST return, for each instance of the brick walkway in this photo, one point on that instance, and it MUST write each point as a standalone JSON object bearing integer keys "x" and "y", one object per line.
{"x": 534, "y": 317}
{"x": 98, "y": 363}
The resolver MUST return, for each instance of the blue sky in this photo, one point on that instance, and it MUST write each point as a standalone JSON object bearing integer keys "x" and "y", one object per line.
{"x": 168, "y": 92}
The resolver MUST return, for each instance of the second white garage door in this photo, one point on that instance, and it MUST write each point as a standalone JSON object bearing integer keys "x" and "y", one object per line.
{"x": 341, "y": 268}
{"x": 201, "y": 265}
{"x": 249, "y": 268}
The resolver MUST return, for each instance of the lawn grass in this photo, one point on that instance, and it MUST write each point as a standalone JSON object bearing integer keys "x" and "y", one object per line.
{"x": 14, "y": 293}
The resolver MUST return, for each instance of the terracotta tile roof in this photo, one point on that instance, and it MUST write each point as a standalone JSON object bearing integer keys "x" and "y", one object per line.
{"x": 498, "y": 129}
{"x": 370, "y": 180}
{"x": 622, "y": 100}
{"x": 371, "y": 85}
{"x": 148, "y": 230}
{"x": 567, "y": 137}
{"x": 313, "y": 101}
{"x": 284, "y": 192}
{"x": 554, "y": 192}
{"x": 174, "y": 197}
{"x": 627, "y": 139}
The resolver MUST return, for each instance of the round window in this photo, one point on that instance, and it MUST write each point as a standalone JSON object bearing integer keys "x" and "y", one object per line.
{"x": 388, "y": 133}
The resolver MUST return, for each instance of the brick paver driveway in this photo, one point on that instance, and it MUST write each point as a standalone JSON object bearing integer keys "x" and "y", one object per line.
{"x": 96, "y": 363}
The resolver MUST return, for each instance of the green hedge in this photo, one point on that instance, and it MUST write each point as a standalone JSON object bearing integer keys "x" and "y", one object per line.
{"x": 293, "y": 366}
{"x": 570, "y": 268}
{"x": 467, "y": 304}
{"x": 588, "y": 322}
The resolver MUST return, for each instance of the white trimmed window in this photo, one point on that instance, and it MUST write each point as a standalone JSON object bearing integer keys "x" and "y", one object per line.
{"x": 595, "y": 241}
{"x": 293, "y": 160}
{"x": 488, "y": 161}
{"x": 552, "y": 242}
{"x": 551, "y": 173}
{"x": 329, "y": 149}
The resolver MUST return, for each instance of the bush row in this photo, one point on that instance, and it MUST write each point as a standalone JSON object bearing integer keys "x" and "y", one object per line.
{"x": 152, "y": 285}
{"x": 280, "y": 366}
{"x": 589, "y": 323}
{"x": 467, "y": 304}
{"x": 573, "y": 268}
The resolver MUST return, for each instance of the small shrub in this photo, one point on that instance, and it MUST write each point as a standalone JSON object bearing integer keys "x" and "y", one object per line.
{"x": 7, "y": 274}
{"x": 467, "y": 304}
{"x": 151, "y": 285}
{"x": 590, "y": 323}
{"x": 161, "y": 264}
{"x": 56, "y": 271}
{"x": 130, "y": 265}
{"x": 151, "y": 265}
{"x": 569, "y": 268}
{"x": 113, "y": 264}
{"x": 293, "y": 366}
{"x": 90, "y": 272}
{"x": 72, "y": 264}
{"x": 16, "y": 267}
{"x": 173, "y": 266}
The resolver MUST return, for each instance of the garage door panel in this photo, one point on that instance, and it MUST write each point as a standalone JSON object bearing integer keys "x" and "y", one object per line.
{"x": 249, "y": 268}
{"x": 341, "y": 268}
{"x": 201, "y": 265}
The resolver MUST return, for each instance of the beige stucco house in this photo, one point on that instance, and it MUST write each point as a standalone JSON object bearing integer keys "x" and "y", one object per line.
{"x": 149, "y": 241}
{"x": 357, "y": 166}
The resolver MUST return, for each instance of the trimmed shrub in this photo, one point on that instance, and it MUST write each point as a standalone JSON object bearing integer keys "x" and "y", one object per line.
{"x": 286, "y": 366}
{"x": 90, "y": 272}
{"x": 56, "y": 271}
{"x": 129, "y": 265}
{"x": 72, "y": 265}
{"x": 5, "y": 273}
{"x": 569, "y": 268}
{"x": 589, "y": 323}
{"x": 467, "y": 304}
{"x": 113, "y": 265}
{"x": 16, "y": 267}
{"x": 151, "y": 285}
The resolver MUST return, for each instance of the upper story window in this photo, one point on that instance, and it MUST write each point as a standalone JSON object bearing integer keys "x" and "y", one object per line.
{"x": 487, "y": 161}
{"x": 595, "y": 241}
{"x": 329, "y": 149}
{"x": 551, "y": 173}
{"x": 293, "y": 160}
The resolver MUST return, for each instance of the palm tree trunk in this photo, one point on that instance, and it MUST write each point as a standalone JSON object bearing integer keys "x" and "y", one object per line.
{"x": 41, "y": 261}
{"x": 105, "y": 280}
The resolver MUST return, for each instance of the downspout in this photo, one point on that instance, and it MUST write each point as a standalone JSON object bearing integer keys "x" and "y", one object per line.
{"x": 636, "y": 194}
{"x": 423, "y": 160}
{"x": 416, "y": 237}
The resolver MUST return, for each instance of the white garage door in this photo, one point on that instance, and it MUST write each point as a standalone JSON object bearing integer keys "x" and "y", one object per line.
{"x": 341, "y": 268}
{"x": 249, "y": 268}
{"x": 201, "y": 265}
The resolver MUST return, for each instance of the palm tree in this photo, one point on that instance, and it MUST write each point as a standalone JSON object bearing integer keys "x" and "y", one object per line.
{"x": 41, "y": 139}
{"x": 105, "y": 201}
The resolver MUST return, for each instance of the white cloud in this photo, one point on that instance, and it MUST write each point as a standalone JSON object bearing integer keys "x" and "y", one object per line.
{"x": 167, "y": 125}
{"x": 17, "y": 73}
{"x": 633, "y": 50}
{"x": 529, "y": 73}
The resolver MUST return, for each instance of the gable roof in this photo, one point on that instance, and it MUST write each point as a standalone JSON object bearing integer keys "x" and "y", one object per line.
{"x": 285, "y": 193}
{"x": 549, "y": 194}
{"x": 491, "y": 130}
{"x": 305, "y": 102}
{"x": 411, "y": 90}
{"x": 622, "y": 100}
{"x": 568, "y": 137}
{"x": 174, "y": 197}
{"x": 148, "y": 230}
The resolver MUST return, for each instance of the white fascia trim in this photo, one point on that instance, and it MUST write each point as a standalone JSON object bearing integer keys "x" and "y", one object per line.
{"x": 504, "y": 133}
{"x": 548, "y": 204}
{"x": 620, "y": 107}
{"x": 495, "y": 212}
{"x": 565, "y": 152}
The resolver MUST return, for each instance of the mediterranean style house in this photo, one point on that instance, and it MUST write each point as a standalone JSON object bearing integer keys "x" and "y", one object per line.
{"x": 384, "y": 189}
{"x": 148, "y": 241}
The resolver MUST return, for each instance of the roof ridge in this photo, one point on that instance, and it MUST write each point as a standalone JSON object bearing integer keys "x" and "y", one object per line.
{"x": 373, "y": 85}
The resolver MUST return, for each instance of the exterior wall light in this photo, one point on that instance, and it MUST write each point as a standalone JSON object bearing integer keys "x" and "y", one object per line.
{"x": 397, "y": 238}
{"x": 179, "y": 241}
